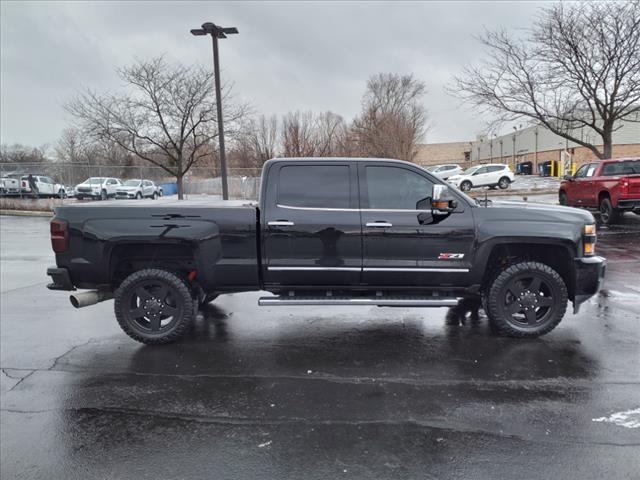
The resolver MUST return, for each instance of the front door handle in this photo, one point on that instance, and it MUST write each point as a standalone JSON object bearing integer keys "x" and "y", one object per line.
{"x": 379, "y": 224}
{"x": 281, "y": 223}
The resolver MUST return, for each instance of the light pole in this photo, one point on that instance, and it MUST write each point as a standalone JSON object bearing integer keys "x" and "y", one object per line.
{"x": 514, "y": 147}
{"x": 217, "y": 32}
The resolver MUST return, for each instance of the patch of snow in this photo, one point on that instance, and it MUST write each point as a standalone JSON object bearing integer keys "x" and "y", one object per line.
{"x": 628, "y": 419}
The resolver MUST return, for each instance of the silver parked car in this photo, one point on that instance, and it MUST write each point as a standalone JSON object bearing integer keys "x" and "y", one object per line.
{"x": 445, "y": 171}
{"x": 138, "y": 189}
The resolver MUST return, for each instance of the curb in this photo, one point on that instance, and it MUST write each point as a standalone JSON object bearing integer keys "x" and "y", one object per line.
{"x": 26, "y": 213}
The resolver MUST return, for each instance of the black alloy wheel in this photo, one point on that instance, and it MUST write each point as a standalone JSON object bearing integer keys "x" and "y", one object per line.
{"x": 154, "y": 306}
{"x": 608, "y": 214}
{"x": 527, "y": 299}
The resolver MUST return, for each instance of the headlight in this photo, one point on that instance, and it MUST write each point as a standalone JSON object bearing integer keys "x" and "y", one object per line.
{"x": 589, "y": 240}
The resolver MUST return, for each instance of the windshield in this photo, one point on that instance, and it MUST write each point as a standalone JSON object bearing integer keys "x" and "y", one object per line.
{"x": 98, "y": 180}
{"x": 131, "y": 183}
{"x": 470, "y": 170}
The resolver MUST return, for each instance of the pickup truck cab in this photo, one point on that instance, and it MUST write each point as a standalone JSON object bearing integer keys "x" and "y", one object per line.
{"x": 46, "y": 187}
{"x": 611, "y": 186}
{"x": 341, "y": 231}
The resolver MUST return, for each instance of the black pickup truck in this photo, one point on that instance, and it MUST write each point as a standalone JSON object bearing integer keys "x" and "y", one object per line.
{"x": 337, "y": 231}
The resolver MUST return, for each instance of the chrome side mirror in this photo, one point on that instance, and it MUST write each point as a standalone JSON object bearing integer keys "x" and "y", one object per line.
{"x": 441, "y": 201}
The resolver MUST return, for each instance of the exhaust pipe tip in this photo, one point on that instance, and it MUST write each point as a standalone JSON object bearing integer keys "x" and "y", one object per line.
{"x": 74, "y": 301}
{"x": 85, "y": 299}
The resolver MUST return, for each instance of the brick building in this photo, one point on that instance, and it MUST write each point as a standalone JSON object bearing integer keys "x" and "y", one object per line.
{"x": 437, "y": 153}
{"x": 537, "y": 145}
{"x": 531, "y": 144}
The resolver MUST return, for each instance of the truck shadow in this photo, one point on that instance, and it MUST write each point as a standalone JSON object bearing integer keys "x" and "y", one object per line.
{"x": 382, "y": 347}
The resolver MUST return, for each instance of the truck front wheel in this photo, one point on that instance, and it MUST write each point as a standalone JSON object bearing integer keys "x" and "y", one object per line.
{"x": 154, "y": 306}
{"x": 525, "y": 300}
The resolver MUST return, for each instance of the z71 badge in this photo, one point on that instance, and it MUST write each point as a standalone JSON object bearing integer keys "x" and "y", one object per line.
{"x": 450, "y": 256}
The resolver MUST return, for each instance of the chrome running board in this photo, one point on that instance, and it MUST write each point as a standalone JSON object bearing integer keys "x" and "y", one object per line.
{"x": 381, "y": 301}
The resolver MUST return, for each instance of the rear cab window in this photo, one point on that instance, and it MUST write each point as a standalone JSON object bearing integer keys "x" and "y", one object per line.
{"x": 626, "y": 167}
{"x": 314, "y": 186}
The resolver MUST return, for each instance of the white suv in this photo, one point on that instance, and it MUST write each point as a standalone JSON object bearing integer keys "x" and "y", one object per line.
{"x": 490, "y": 175}
{"x": 445, "y": 171}
{"x": 99, "y": 188}
{"x": 138, "y": 189}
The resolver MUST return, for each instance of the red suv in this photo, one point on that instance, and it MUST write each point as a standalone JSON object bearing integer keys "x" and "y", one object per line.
{"x": 611, "y": 186}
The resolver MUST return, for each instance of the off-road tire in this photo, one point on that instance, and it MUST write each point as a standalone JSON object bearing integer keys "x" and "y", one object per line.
{"x": 608, "y": 214}
{"x": 503, "y": 183}
{"x": 554, "y": 291}
{"x": 181, "y": 295}
{"x": 466, "y": 186}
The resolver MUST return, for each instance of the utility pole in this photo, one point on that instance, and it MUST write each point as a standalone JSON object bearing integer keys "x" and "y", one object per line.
{"x": 217, "y": 32}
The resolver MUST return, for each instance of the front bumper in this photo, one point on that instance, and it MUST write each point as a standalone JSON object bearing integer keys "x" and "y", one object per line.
{"x": 92, "y": 194}
{"x": 590, "y": 273}
{"x": 125, "y": 195}
{"x": 61, "y": 279}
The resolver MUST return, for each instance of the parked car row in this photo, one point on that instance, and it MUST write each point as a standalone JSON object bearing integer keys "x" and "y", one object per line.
{"x": 102, "y": 188}
{"x": 490, "y": 175}
{"x": 97, "y": 188}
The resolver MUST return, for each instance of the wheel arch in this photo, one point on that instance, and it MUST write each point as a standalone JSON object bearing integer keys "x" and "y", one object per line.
{"x": 558, "y": 254}
{"x": 126, "y": 258}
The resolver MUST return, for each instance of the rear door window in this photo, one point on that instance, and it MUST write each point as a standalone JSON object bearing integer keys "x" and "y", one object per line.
{"x": 314, "y": 186}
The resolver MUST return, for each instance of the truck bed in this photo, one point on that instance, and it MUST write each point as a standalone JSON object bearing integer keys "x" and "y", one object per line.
{"x": 221, "y": 237}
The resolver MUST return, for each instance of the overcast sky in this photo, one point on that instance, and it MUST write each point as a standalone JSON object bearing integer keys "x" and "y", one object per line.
{"x": 288, "y": 56}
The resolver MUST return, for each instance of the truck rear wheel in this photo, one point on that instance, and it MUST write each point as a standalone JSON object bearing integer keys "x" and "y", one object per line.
{"x": 154, "y": 306}
{"x": 608, "y": 214}
{"x": 526, "y": 300}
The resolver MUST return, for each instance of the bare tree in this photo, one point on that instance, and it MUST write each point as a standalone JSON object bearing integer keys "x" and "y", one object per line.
{"x": 19, "y": 153}
{"x": 167, "y": 116}
{"x": 305, "y": 134}
{"x": 393, "y": 118}
{"x": 579, "y": 67}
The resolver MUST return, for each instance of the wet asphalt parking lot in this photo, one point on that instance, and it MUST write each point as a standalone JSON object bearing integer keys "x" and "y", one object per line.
{"x": 257, "y": 392}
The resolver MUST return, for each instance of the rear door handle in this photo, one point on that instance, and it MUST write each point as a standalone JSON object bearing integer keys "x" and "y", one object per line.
{"x": 379, "y": 224}
{"x": 281, "y": 223}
